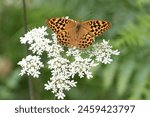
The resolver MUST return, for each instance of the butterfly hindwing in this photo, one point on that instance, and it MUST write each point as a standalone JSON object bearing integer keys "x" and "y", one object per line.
{"x": 64, "y": 39}
{"x": 86, "y": 40}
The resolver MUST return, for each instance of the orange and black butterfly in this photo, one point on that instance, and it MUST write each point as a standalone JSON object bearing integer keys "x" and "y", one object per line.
{"x": 79, "y": 34}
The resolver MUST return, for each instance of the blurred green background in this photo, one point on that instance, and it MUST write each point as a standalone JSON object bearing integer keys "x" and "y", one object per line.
{"x": 128, "y": 77}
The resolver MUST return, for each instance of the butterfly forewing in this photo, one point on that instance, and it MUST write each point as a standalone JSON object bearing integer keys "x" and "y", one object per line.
{"x": 96, "y": 27}
{"x": 60, "y": 24}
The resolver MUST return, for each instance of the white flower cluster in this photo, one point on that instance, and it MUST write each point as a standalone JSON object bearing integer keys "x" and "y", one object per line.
{"x": 36, "y": 40}
{"x": 63, "y": 64}
{"x": 102, "y": 52}
{"x": 31, "y": 65}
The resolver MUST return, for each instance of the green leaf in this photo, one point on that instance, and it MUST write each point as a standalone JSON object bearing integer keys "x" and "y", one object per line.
{"x": 140, "y": 81}
{"x": 124, "y": 75}
{"x": 13, "y": 80}
{"x": 108, "y": 74}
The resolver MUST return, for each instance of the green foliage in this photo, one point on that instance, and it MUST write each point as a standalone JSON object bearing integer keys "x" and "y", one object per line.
{"x": 132, "y": 78}
{"x": 128, "y": 77}
{"x": 135, "y": 33}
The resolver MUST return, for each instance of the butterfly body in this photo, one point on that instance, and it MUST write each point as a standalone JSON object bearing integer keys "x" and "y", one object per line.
{"x": 72, "y": 33}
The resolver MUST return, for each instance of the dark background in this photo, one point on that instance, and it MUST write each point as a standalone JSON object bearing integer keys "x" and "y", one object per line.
{"x": 128, "y": 77}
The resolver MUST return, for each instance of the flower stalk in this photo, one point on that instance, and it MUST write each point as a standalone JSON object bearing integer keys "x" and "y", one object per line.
{"x": 31, "y": 95}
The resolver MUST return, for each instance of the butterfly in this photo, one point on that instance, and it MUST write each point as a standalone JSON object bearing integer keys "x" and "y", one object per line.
{"x": 72, "y": 33}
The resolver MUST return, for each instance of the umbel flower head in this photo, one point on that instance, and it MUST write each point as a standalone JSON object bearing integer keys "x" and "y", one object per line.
{"x": 62, "y": 68}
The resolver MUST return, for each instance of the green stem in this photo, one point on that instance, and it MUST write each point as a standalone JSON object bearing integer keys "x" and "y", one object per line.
{"x": 24, "y": 16}
{"x": 30, "y": 84}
